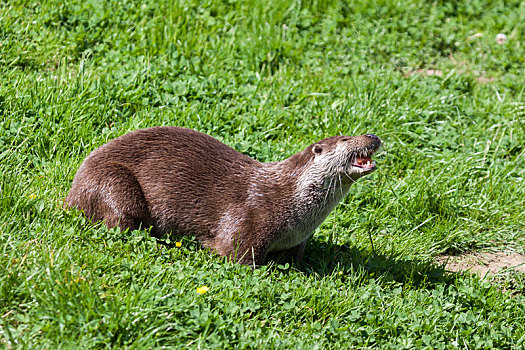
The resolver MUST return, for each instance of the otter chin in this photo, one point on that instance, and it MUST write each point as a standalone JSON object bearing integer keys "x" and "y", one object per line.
{"x": 181, "y": 181}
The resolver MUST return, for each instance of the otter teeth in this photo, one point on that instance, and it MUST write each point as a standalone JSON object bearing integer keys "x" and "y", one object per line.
{"x": 364, "y": 162}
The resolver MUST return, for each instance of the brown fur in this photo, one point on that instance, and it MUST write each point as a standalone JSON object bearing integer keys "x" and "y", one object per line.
{"x": 182, "y": 181}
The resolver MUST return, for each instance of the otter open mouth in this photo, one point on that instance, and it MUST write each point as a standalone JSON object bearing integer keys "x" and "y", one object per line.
{"x": 364, "y": 162}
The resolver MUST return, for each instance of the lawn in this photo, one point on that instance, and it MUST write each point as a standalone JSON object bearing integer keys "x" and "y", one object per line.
{"x": 267, "y": 78}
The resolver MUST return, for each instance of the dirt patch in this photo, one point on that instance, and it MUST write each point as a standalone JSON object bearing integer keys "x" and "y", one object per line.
{"x": 484, "y": 263}
{"x": 485, "y": 80}
{"x": 427, "y": 72}
{"x": 482, "y": 79}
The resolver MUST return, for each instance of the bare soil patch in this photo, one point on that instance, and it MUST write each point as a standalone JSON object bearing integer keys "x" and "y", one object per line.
{"x": 482, "y": 79}
{"x": 427, "y": 72}
{"x": 485, "y": 80}
{"x": 484, "y": 263}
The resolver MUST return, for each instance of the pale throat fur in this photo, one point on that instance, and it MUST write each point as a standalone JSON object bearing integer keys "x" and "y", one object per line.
{"x": 320, "y": 186}
{"x": 316, "y": 186}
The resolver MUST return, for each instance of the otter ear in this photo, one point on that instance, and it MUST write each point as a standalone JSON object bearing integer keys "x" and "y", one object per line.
{"x": 317, "y": 149}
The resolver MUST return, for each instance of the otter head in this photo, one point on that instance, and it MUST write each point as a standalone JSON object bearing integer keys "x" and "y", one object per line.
{"x": 347, "y": 155}
{"x": 338, "y": 161}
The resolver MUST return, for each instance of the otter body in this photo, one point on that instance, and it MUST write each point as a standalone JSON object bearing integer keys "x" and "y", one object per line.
{"x": 182, "y": 181}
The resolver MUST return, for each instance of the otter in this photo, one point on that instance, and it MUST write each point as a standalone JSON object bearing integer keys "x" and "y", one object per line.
{"x": 172, "y": 179}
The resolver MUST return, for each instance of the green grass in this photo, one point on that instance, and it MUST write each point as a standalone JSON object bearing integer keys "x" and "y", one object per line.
{"x": 267, "y": 78}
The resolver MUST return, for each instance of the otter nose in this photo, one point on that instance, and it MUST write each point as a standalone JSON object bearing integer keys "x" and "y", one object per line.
{"x": 372, "y": 136}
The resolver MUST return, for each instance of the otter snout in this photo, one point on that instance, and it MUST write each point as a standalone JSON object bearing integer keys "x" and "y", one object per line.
{"x": 373, "y": 137}
{"x": 376, "y": 140}
{"x": 360, "y": 156}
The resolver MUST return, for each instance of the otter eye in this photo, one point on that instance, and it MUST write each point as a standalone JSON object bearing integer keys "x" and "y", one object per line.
{"x": 318, "y": 149}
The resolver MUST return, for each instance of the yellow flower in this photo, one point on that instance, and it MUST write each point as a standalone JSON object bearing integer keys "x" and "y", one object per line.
{"x": 32, "y": 196}
{"x": 178, "y": 244}
{"x": 202, "y": 290}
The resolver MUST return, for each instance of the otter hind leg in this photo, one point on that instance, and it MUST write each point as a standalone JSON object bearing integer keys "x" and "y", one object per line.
{"x": 110, "y": 193}
{"x": 248, "y": 251}
{"x": 291, "y": 255}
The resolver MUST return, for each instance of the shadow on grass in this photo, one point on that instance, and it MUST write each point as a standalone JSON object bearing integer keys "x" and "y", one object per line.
{"x": 327, "y": 258}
